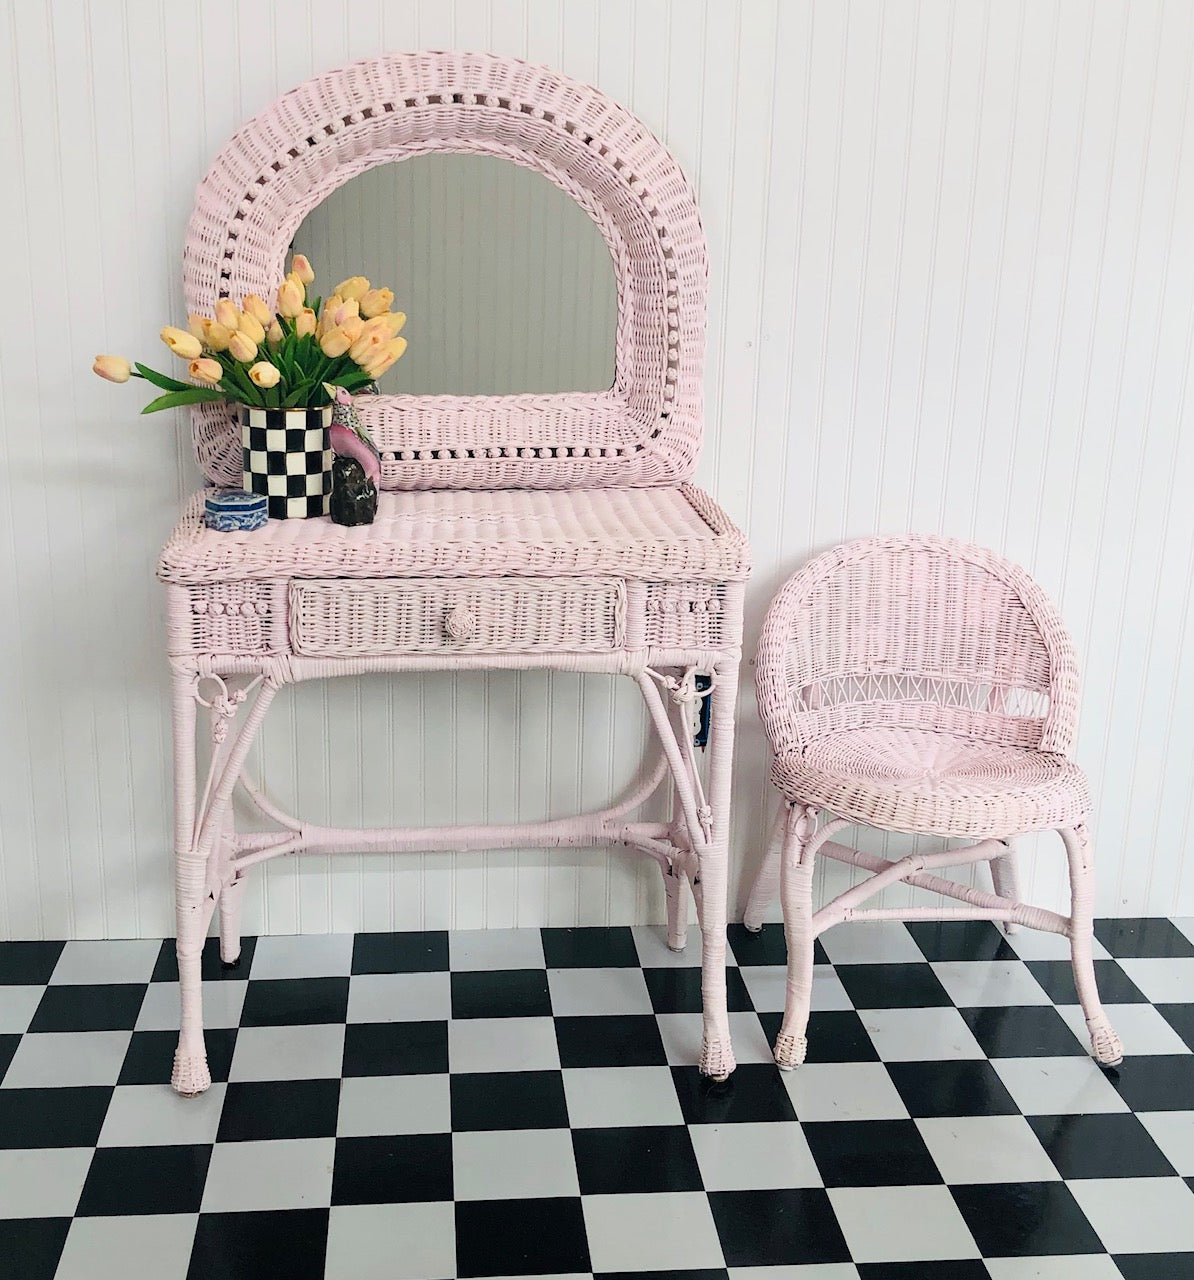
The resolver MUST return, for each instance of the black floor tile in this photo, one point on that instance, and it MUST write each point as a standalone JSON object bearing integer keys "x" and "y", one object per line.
{"x": 521, "y": 1237}
{"x": 30, "y": 1247}
{"x": 141, "y": 1180}
{"x": 290, "y": 1002}
{"x": 1057, "y": 977}
{"x": 1020, "y": 1219}
{"x": 679, "y": 990}
{"x": 104, "y": 1007}
{"x": 262, "y": 1110}
{"x": 966, "y": 1087}
{"x": 606, "y": 948}
{"x": 892, "y": 986}
{"x": 8, "y": 1048}
{"x": 28, "y": 964}
{"x": 1156, "y": 1082}
{"x": 393, "y": 1170}
{"x": 52, "y": 1117}
{"x": 395, "y": 1048}
{"x": 767, "y": 947}
{"x": 961, "y": 1269}
{"x": 501, "y": 993}
{"x": 834, "y": 1035}
{"x": 648, "y": 1159}
{"x": 1181, "y": 1018}
{"x": 211, "y": 966}
{"x": 400, "y": 952}
{"x": 1023, "y": 1031}
{"x": 870, "y": 1153}
{"x": 754, "y": 1093}
{"x": 1112, "y": 1145}
{"x": 243, "y": 1246}
{"x": 778, "y": 1228}
{"x": 149, "y": 1058}
{"x": 960, "y": 940}
{"x": 508, "y": 1100}
{"x": 1151, "y": 936}
{"x": 1154, "y": 1266}
{"x": 617, "y": 1040}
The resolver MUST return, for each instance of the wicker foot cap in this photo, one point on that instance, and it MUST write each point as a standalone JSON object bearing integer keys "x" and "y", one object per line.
{"x": 717, "y": 1059}
{"x": 190, "y": 1076}
{"x": 790, "y": 1050}
{"x": 1106, "y": 1045}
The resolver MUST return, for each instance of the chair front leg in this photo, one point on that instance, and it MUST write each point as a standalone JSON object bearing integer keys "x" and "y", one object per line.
{"x": 766, "y": 885}
{"x": 796, "y": 894}
{"x": 1104, "y": 1042}
{"x": 1005, "y": 878}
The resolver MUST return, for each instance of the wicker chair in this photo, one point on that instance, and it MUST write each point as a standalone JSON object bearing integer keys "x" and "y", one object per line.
{"x": 920, "y": 685}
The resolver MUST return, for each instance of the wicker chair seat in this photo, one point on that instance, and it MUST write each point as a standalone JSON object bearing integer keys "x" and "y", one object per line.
{"x": 932, "y": 783}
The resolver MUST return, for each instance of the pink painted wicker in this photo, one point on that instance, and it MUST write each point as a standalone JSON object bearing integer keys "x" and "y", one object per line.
{"x": 645, "y": 430}
{"x": 919, "y": 684}
{"x": 513, "y": 532}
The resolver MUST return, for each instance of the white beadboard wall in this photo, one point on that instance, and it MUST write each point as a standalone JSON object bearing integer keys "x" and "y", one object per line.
{"x": 952, "y": 289}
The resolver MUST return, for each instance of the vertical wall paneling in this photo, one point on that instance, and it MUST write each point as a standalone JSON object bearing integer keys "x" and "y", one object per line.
{"x": 951, "y": 289}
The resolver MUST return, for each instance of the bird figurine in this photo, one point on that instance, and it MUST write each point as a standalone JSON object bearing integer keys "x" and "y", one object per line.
{"x": 357, "y": 468}
{"x": 348, "y": 435}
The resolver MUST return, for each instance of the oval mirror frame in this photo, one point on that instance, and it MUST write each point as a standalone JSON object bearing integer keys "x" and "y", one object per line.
{"x": 644, "y": 430}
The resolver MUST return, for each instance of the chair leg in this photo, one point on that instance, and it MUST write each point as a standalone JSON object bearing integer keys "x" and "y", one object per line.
{"x": 766, "y": 885}
{"x": 796, "y": 893}
{"x": 1104, "y": 1042}
{"x": 1005, "y": 877}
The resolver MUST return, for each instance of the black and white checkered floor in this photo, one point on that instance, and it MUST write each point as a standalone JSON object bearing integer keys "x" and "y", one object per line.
{"x": 499, "y": 1104}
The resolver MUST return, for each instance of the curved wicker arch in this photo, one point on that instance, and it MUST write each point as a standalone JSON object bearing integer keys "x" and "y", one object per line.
{"x": 1035, "y": 651}
{"x": 645, "y": 429}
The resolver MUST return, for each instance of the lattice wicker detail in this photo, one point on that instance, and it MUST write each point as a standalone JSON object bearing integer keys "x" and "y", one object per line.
{"x": 228, "y": 617}
{"x": 689, "y": 615}
{"x": 570, "y": 615}
{"x": 645, "y": 430}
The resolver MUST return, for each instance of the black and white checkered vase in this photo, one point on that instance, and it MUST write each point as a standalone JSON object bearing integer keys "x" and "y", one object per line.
{"x": 288, "y": 457}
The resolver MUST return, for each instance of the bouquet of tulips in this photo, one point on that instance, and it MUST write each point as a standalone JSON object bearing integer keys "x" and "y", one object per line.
{"x": 252, "y": 355}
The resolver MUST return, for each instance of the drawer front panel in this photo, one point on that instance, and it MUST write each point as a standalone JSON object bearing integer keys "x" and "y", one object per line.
{"x": 343, "y": 617}
{"x": 239, "y": 618}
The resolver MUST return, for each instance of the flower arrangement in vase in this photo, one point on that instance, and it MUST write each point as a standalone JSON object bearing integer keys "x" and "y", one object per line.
{"x": 281, "y": 368}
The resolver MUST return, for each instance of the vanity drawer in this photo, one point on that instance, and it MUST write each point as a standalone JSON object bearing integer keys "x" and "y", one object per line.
{"x": 345, "y": 617}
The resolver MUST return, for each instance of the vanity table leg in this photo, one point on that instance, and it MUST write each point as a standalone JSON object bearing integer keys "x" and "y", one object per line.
{"x": 231, "y": 898}
{"x": 717, "y": 1052}
{"x": 192, "y": 904}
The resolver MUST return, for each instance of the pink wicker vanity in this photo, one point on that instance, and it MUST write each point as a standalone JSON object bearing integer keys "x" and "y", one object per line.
{"x": 555, "y": 531}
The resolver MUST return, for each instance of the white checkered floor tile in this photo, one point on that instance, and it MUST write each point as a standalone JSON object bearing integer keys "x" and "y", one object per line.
{"x": 525, "y": 1103}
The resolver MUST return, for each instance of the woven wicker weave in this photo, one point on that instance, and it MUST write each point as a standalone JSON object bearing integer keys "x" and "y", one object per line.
{"x": 527, "y": 531}
{"x": 921, "y": 685}
{"x": 645, "y": 430}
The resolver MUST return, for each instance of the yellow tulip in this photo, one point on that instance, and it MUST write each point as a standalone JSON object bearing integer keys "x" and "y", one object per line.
{"x": 206, "y": 370}
{"x": 376, "y": 301}
{"x": 264, "y": 374}
{"x": 218, "y": 336}
{"x": 353, "y": 326}
{"x": 181, "y": 343}
{"x": 394, "y": 321}
{"x": 377, "y": 325}
{"x": 365, "y": 345}
{"x": 334, "y": 343}
{"x": 290, "y": 297}
{"x": 275, "y": 334}
{"x": 242, "y": 347}
{"x": 256, "y": 307}
{"x": 389, "y": 353}
{"x": 113, "y": 368}
{"x": 227, "y": 313}
{"x": 300, "y": 267}
{"x": 304, "y": 325}
{"x": 251, "y": 327}
{"x": 197, "y": 326}
{"x": 353, "y": 287}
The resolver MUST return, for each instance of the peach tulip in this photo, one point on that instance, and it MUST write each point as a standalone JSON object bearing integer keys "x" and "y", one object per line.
{"x": 299, "y": 266}
{"x": 218, "y": 336}
{"x": 264, "y": 374}
{"x": 227, "y": 313}
{"x": 275, "y": 334}
{"x": 257, "y": 308}
{"x": 251, "y": 327}
{"x": 206, "y": 370}
{"x": 291, "y": 297}
{"x": 242, "y": 347}
{"x": 304, "y": 324}
{"x": 113, "y": 368}
{"x": 352, "y": 288}
{"x": 376, "y": 301}
{"x": 183, "y": 344}
{"x": 334, "y": 343}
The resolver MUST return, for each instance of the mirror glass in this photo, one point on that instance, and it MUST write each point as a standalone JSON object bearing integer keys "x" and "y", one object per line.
{"x": 507, "y": 284}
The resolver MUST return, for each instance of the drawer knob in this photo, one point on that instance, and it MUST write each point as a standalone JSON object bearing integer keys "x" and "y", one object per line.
{"x": 461, "y": 623}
